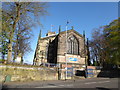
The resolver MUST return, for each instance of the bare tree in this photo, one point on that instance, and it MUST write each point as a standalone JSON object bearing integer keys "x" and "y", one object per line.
{"x": 22, "y": 36}
{"x": 27, "y": 12}
{"x": 98, "y": 45}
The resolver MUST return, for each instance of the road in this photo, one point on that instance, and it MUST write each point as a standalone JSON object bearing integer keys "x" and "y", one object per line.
{"x": 96, "y": 83}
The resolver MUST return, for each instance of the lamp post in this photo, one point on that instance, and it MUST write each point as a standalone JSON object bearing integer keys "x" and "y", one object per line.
{"x": 85, "y": 55}
{"x": 66, "y": 51}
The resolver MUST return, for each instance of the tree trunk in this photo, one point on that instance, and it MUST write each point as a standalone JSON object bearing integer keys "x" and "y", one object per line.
{"x": 9, "y": 56}
{"x": 3, "y": 54}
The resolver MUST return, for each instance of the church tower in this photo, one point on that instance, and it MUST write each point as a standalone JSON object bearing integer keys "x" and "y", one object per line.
{"x": 37, "y": 51}
{"x": 42, "y": 52}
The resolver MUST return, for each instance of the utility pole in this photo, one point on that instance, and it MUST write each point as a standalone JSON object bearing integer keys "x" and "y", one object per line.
{"x": 66, "y": 49}
{"x": 85, "y": 55}
{"x": 88, "y": 53}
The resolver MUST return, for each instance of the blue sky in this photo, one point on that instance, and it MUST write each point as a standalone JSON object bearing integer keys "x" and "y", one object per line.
{"x": 82, "y": 15}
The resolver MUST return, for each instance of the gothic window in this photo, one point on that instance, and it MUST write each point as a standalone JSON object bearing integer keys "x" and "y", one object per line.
{"x": 73, "y": 45}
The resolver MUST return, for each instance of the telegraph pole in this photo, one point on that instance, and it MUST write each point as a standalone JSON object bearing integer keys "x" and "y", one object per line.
{"x": 85, "y": 55}
{"x": 66, "y": 49}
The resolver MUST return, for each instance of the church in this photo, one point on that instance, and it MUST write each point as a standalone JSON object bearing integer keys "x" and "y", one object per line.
{"x": 66, "y": 49}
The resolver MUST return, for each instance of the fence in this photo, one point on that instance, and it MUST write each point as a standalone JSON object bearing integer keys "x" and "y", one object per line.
{"x": 93, "y": 71}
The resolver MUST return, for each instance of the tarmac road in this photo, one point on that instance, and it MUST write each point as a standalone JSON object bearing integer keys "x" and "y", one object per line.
{"x": 96, "y": 83}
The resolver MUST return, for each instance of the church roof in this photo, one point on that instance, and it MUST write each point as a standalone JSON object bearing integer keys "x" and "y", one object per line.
{"x": 63, "y": 32}
{"x": 71, "y": 30}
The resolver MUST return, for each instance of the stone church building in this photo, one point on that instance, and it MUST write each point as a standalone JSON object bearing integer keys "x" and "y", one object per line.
{"x": 54, "y": 49}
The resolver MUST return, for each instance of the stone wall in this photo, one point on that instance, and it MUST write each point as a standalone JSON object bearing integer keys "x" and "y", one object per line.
{"x": 62, "y": 47}
{"x": 42, "y": 49}
{"x": 21, "y": 73}
{"x": 62, "y": 42}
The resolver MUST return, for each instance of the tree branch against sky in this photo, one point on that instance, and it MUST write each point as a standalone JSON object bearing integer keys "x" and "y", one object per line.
{"x": 98, "y": 45}
{"x": 29, "y": 13}
{"x": 105, "y": 44}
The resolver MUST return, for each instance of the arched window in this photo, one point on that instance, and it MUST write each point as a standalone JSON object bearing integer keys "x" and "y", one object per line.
{"x": 73, "y": 45}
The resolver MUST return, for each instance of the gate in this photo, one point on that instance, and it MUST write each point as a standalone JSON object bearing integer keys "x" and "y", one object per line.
{"x": 62, "y": 72}
{"x": 70, "y": 72}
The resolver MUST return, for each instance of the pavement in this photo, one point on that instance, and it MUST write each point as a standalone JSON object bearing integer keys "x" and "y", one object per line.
{"x": 96, "y": 83}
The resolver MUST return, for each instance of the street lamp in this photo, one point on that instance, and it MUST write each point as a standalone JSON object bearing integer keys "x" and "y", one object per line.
{"x": 85, "y": 55}
{"x": 66, "y": 51}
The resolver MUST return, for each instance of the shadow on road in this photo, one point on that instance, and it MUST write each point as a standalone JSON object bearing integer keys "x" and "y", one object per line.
{"x": 102, "y": 88}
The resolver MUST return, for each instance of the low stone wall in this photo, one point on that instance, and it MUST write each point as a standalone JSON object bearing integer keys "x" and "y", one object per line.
{"x": 21, "y": 73}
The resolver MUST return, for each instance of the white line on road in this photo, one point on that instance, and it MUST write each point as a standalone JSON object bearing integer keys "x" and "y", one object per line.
{"x": 97, "y": 82}
{"x": 103, "y": 78}
{"x": 103, "y": 81}
{"x": 90, "y": 82}
{"x": 70, "y": 85}
{"x": 46, "y": 86}
{"x": 61, "y": 85}
{"x": 54, "y": 86}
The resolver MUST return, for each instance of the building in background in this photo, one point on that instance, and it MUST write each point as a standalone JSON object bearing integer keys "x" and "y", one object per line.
{"x": 53, "y": 49}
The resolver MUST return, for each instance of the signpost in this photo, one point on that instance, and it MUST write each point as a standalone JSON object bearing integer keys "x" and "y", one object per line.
{"x": 66, "y": 49}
